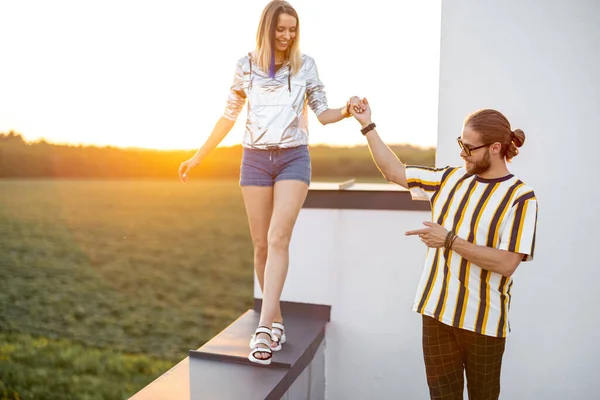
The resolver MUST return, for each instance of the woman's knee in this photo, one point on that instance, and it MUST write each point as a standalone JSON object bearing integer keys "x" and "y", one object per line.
{"x": 261, "y": 250}
{"x": 278, "y": 239}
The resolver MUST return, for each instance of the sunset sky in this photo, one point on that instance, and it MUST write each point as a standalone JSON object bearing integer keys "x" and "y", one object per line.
{"x": 156, "y": 74}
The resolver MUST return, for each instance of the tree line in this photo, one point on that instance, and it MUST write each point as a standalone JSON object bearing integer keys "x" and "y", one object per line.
{"x": 22, "y": 159}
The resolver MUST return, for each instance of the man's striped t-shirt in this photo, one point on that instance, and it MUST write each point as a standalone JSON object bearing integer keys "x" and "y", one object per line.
{"x": 499, "y": 213}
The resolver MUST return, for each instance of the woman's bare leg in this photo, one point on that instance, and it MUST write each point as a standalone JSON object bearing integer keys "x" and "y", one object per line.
{"x": 259, "y": 207}
{"x": 288, "y": 198}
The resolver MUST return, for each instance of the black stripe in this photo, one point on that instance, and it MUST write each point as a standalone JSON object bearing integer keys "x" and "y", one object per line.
{"x": 427, "y": 168}
{"x": 524, "y": 198}
{"x": 457, "y": 216}
{"x": 429, "y": 281}
{"x": 514, "y": 233}
{"x": 460, "y": 305}
{"x": 534, "y": 231}
{"x": 508, "y": 293}
{"x": 438, "y": 308}
{"x": 502, "y": 305}
{"x": 482, "y": 301}
{"x": 444, "y": 177}
{"x": 440, "y": 220}
{"x": 429, "y": 188}
{"x": 490, "y": 243}
{"x": 496, "y": 220}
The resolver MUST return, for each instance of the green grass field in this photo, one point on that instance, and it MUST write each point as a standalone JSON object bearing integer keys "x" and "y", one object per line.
{"x": 106, "y": 284}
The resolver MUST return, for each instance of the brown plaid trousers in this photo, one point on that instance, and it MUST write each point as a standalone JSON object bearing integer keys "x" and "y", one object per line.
{"x": 450, "y": 351}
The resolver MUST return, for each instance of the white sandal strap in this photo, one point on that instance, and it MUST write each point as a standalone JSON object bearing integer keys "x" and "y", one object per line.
{"x": 277, "y": 325}
{"x": 262, "y": 329}
{"x": 263, "y": 341}
{"x": 261, "y": 350}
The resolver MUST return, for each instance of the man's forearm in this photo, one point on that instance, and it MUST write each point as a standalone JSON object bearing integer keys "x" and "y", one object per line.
{"x": 386, "y": 160}
{"x": 500, "y": 261}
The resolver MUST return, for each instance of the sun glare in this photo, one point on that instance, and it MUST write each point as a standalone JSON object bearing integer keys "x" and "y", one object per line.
{"x": 157, "y": 75}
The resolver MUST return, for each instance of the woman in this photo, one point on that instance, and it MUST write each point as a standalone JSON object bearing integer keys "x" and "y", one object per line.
{"x": 279, "y": 82}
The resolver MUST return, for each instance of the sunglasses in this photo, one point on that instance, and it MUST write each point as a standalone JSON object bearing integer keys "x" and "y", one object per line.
{"x": 469, "y": 150}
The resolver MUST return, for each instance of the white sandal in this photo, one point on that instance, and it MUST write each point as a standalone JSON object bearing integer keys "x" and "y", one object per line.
{"x": 257, "y": 349}
{"x": 278, "y": 338}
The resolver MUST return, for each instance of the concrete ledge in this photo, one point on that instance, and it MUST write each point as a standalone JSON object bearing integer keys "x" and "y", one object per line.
{"x": 304, "y": 335}
{"x": 221, "y": 370}
{"x": 363, "y": 197}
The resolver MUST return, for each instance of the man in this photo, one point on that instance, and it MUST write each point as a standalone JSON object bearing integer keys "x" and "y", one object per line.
{"x": 484, "y": 224}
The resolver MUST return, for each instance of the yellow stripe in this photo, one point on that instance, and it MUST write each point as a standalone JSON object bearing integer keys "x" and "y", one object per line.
{"x": 521, "y": 224}
{"x": 523, "y": 195}
{"x": 487, "y": 308}
{"x": 505, "y": 306}
{"x": 447, "y": 278}
{"x": 494, "y": 245}
{"x": 468, "y": 274}
{"x": 459, "y": 184}
{"x": 450, "y": 252}
{"x": 508, "y": 206}
{"x": 436, "y": 266}
{"x": 417, "y": 180}
{"x": 442, "y": 256}
{"x": 442, "y": 187}
{"x": 436, "y": 269}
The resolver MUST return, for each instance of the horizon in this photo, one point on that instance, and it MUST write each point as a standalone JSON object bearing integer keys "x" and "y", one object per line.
{"x": 152, "y": 81}
{"x": 84, "y": 145}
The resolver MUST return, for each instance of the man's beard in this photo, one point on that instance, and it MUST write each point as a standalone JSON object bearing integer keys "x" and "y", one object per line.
{"x": 480, "y": 166}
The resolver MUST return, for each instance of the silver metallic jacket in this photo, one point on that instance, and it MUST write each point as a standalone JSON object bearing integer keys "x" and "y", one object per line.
{"x": 277, "y": 112}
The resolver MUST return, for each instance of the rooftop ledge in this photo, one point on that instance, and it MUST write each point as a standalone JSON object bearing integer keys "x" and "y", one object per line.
{"x": 362, "y": 196}
{"x": 221, "y": 370}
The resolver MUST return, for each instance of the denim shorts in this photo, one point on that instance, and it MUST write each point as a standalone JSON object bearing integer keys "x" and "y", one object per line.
{"x": 265, "y": 167}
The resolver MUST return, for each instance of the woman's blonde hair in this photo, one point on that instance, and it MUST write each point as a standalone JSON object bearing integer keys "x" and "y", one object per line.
{"x": 264, "y": 54}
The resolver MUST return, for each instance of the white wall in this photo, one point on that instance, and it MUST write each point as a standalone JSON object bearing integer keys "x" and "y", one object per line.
{"x": 374, "y": 338}
{"x": 538, "y": 62}
{"x": 361, "y": 263}
{"x": 313, "y": 252}
{"x": 310, "y": 385}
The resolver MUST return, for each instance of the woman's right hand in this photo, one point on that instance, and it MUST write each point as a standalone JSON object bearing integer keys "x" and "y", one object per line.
{"x": 185, "y": 167}
{"x": 356, "y": 103}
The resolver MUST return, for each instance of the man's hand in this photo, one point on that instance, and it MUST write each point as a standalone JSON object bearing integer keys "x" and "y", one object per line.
{"x": 433, "y": 236}
{"x": 356, "y": 103}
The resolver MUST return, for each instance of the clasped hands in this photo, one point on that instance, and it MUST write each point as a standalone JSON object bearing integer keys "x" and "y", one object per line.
{"x": 360, "y": 109}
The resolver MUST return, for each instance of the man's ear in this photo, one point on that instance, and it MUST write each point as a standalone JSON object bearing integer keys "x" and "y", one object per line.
{"x": 496, "y": 148}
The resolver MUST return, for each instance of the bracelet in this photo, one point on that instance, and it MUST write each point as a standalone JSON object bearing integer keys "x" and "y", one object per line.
{"x": 447, "y": 241}
{"x": 452, "y": 241}
{"x": 368, "y": 128}
{"x": 348, "y": 113}
{"x": 450, "y": 238}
